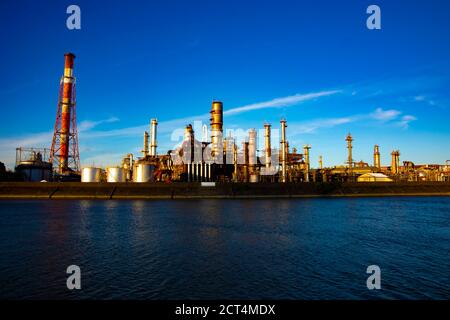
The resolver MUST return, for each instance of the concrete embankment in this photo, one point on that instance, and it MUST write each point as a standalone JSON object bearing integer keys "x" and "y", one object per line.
{"x": 76, "y": 190}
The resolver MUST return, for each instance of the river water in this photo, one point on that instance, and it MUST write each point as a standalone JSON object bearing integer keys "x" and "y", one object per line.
{"x": 226, "y": 249}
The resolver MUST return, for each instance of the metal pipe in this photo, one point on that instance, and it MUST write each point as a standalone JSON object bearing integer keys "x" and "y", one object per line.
{"x": 202, "y": 171}
{"x": 153, "y": 130}
{"x": 283, "y": 150}
{"x": 66, "y": 109}
{"x": 130, "y": 156}
{"x": 198, "y": 171}
{"x": 194, "y": 172}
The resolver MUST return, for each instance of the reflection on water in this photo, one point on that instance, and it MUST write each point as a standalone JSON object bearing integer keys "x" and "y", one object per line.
{"x": 276, "y": 249}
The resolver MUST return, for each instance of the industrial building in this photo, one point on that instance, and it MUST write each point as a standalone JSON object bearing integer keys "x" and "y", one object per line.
{"x": 218, "y": 159}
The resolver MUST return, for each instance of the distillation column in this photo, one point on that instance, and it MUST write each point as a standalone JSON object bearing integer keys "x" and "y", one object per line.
{"x": 267, "y": 146}
{"x": 307, "y": 164}
{"x": 376, "y": 158}
{"x": 395, "y": 162}
{"x": 320, "y": 163}
{"x": 235, "y": 160}
{"x": 252, "y": 161}
{"x": 153, "y": 127}
{"x": 246, "y": 160}
{"x": 349, "y": 140}
{"x": 283, "y": 150}
{"x": 145, "y": 149}
{"x": 188, "y": 151}
{"x": 216, "y": 128}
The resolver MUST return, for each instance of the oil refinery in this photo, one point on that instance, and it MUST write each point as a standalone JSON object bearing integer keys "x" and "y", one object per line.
{"x": 221, "y": 159}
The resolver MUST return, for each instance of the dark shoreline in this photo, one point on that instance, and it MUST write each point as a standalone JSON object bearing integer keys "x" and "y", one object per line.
{"x": 115, "y": 191}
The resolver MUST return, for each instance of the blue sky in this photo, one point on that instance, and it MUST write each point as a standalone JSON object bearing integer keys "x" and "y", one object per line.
{"x": 313, "y": 62}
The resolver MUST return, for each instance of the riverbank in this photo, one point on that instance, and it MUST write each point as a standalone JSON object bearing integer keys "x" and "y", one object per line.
{"x": 77, "y": 190}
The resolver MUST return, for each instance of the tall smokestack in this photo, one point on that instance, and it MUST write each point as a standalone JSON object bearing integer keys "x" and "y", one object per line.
{"x": 307, "y": 164}
{"x": 145, "y": 149}
{"x": 64, "y": 154}
{"x": 283, "y": 150}
{"x": 349, "y": 140}
{"x": 320, "y": 163}
{"x": 153, "y": 127}
{"x": 267, "y": 145}
{"x": 376, "y": 158}
{"x": 216, "y": 127}
{"x": 66, "y": 109}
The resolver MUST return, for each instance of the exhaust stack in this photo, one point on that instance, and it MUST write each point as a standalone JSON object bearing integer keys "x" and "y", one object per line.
{"x": 153, "y": 127}
{"x": 307, "y": 165}
{"x": 66, "y": 107}
{"x": 64, "y": 151}
{"x": 145, "y": 149}
{"x": 376, "y": 158}
{"x": 267, "y": 146}
{"x": 252, "y": 148}
{"x": 216, "y": 127}
{"x": 395, "y": 162}
{"x": 246, "y": 160}
{"x": 349, "y": 140}
{"x": 283, "y": 150}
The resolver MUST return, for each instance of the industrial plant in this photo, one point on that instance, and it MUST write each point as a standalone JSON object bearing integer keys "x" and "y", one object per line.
{"x": 218, "y": 159}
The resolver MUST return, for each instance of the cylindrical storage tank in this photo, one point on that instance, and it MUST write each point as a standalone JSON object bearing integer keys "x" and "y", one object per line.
{"x": 90, "y": 174}
{"x": 116, "y": 174}
{"x": 143, "y": 172}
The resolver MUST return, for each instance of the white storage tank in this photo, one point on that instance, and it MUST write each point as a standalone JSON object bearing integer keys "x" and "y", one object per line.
{"x": 116, "y": 174}
{"x": 90, "y": 174}
{"x": 143, "y": 172}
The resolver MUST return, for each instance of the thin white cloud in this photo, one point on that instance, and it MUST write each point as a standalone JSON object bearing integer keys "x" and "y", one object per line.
{"x": 405, "y": 120}
{"x": 88, "y": 124}
{"x": 385, "y": 115}
{"x": 425, "y": 99}
{"x": 419, "y": 98}
{"x": 280, "y": 102}
{"x": 312, "y": 126}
